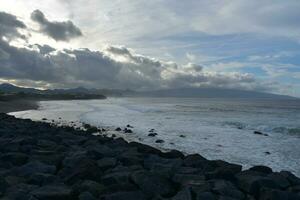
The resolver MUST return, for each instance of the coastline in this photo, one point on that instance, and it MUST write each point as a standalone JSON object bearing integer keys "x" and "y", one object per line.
{"x": 52, "y": 162}
{"x": 17, "y": 105}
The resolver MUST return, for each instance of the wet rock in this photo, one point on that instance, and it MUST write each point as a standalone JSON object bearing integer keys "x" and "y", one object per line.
{"x": 152, "y": 184}
{"x": 118, "y": 129}
{"x": 57, "y": 192}
{"x": 182, "y": 136}
{"x": 207, "y": 196}
{"x": 258, "y": 133}
{"x": 120, "y": 177}
{"x": 159, "y": 141}
{"x": 129, "y": 126}
{"x": 280, "y": 180}
{"x": 126, "y": 130}
{"x": 152, "y": 134}
{"x": 172, "y": 154}
{"x": 262, "y": 169}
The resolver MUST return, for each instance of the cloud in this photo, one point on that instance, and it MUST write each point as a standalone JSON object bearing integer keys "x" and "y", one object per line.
{"x": 113, "y": 67}
{"x": 9, "y": 25}
{"x": 59, "y": 31}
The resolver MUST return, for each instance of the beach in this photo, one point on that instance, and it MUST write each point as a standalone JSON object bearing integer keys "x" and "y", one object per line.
{"x": 43, "y": 161}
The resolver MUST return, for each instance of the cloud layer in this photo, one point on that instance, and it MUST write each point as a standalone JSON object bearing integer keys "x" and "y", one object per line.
{"x": 112, "y": 67}
{"x": 59, "y": 31}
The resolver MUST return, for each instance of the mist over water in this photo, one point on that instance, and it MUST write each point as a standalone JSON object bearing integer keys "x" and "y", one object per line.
{"x": 215, "y": 128}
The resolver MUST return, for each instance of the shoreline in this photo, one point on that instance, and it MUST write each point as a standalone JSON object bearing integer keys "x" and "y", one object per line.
{"x": 18, "y": 105}
{"x": 51, "y": 162}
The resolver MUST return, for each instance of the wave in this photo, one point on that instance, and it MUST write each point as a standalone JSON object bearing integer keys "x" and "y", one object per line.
{"x": 263, "y": 128}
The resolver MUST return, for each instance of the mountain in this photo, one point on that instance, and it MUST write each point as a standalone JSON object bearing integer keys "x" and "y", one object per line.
{"x": 210, "y": 93}
{"x": 9, "y": 88}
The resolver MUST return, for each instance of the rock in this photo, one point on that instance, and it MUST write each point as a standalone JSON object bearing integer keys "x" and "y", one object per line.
{"x": 182, "y": 136}
{"x": 262, "y": 169}
{"x": 258, "y": 133}
{"x": 152, "y": 184}
{"x": 152, "y": 134}
{"x": 290, "y": 177}
{"x": 14, "y": 158}
{"x": 119, "y": 177}
{"x": 118, "y": 129}
{"x": 87, "y": 169}
{"x": 92, "y": 187}
{"x": 129, "y": 126}
{"x": 172, "y": 154}
{"x": 44, "y": 119}
{"x": 277, "y": 195}
{"x": 206, "y": 196}
{"x": 35, "y": 167}
{"x": 86, "y": 196}
{"x": 146, "y": 149}
{"x": 124, "y": 196}
{"x": 151, "y": 130}
{"x": 188, "y": 179}
{"x": 127, "y": 130}
{"x": 106, "y": 163}
{"x": 227, "y": 189}
{"x": 184, "y": 194}
{"x": 153, "y": 160}
{"x": 20, "y": 191}
{"x": 253, "y": 184}
{"x": 280, "y": 180}
{"x": 159, "y": 141}
{"x": 3, "y": 186}
{"x": 57, "y": 192}
{"x": 41, "y": 179}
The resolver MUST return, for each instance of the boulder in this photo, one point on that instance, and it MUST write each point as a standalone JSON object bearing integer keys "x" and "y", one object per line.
{"x": 118, "y": 129}
{"x": 172, "y": 154}
{"x": 277, "y": 195}
{"x": 152, "y": 184}
{"x": 49, "y": 192}
{"x": 124, "y": 196}
{"x": 184, "y": 194}
{"x": 290, "y": 177}
{"x": 14, "y": 158}
{"x": 106, "y": 163}
{"x": 282, "y": 181}
{"x": 41, "y": 179}
{"x": 253, "y": 184}
{"x": 262, "y": 169}
{"x": 86, "y": 196}
{"x": 226, "y": 189}
{"x": 152, "y": 134}
{"x": 92, "y": 187}
{"x": 35, "y": 167}
{"x": 3, "y": 186}
{"x": 159, "y": 141}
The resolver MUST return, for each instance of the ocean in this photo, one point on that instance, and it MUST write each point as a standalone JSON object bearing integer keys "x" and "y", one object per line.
{"x": 215, "y": 128}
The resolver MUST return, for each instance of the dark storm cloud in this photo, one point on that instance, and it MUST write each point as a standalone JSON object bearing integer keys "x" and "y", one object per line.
{"x": 9, "y": 25}
{"x": 101, "y": 69}
{"x": 59, "y": 31}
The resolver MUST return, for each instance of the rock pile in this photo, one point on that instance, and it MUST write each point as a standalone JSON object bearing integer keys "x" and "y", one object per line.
{"x": 42, "y": 162}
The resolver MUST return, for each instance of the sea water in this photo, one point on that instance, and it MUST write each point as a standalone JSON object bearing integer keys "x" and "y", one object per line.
{"x": 215, "y": 128}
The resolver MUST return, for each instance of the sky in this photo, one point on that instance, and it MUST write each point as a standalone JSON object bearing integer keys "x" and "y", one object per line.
{"x": 146, "y": 45}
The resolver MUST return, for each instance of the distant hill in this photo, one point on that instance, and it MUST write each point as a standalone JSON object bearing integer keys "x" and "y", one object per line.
{"x": 9, "y": 88}
{"x": 182, "y": 92}
{"x": 210, "y": 93}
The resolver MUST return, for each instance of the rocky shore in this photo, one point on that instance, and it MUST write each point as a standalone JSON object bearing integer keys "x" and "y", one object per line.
{"x": 39, "y": 161}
